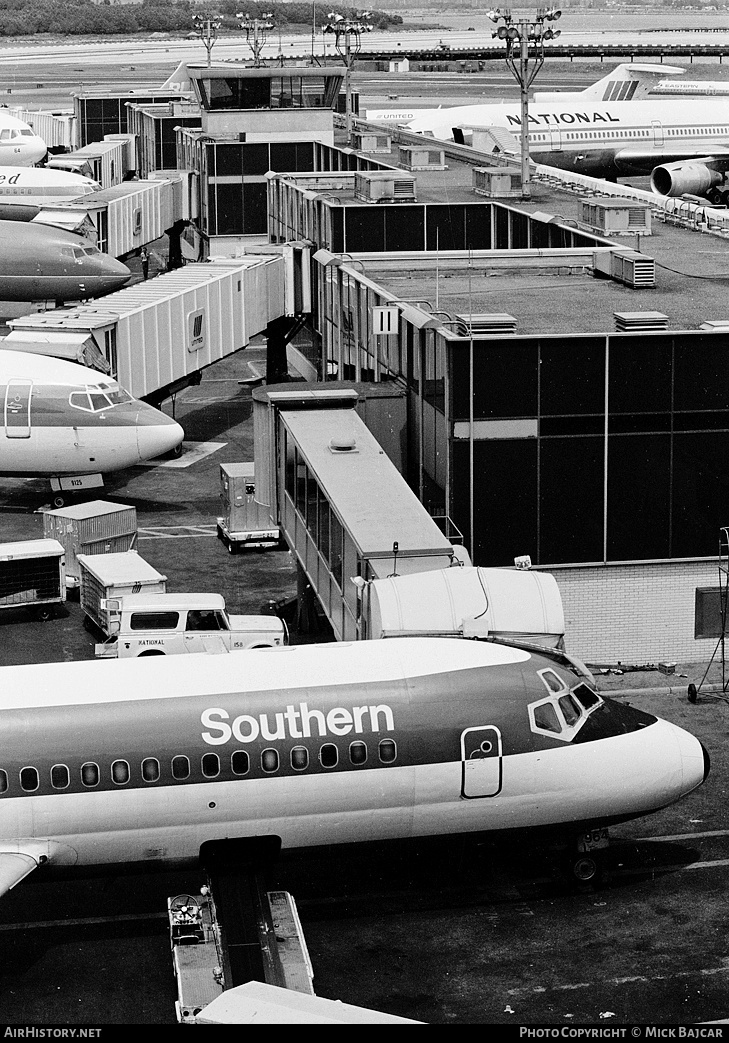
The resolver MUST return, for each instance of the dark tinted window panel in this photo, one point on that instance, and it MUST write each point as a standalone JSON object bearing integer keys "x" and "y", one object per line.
{"x": 700, "y": 493}
{"x": 120, "y": 773}
{"x": 519, "y": 231}
{"x": 501, "y": 227}
{"x": 358, "y": 753}
{"x": 209, "y": 224}
{"x": 701, "y": 371}
{"x": 478, "y": 227}
{"x": 365, "y": 228}
{"x": 283, "y": 156}
{"x": 701, "y": 421}
{"x": 640, "y": 374}
{"x": 446, "y": 227}
{"x": 299, "y": 758}
{"x": 150, "y": 769}
{"x": 575, "y": 534}
{"x": 708, "y": 615}
{"x": 638, "y": 497}
{"x": 638, "y": 423}
{"x": 229, "y": 209}
{"x": 328, "y": 755}
{"x": 572, "y": 376}
{"x": 229, "y": 160}
{"x": 554, "y": 426}
{"x": 180, "y": 767}
{"x": 255, "y": 207}
{"x": 269, "y": 760}
{"x": 539, "y": 233}
{"x": 505, "y": 498}
{"x": 255, "y": 158}
{"x": 3, "y": 781}
{"x": 90, "y": 774}
{"x": 210, "y": 765}
{"x": 505, "y": 378}
{"x": 387, "y": 751}
{"x": 337, "y": 223}
{"x": 404, "y": 227}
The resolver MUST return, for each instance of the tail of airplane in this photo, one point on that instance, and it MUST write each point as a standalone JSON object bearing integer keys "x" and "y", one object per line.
{"x": 628, "y": 82}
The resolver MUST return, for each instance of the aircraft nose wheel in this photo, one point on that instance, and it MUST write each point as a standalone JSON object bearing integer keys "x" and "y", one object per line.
{"x": 585, "y": 869}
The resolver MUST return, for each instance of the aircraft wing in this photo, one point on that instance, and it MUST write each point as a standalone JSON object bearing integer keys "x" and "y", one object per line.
{"x": 636, "y": 161}
{"x": 18, "y": 860}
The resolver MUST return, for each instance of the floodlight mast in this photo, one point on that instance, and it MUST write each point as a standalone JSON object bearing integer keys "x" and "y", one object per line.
{"x": 348, "y": 42}
{"x": 207, "y": 29}
{"x": 518, "y": 36}
{"x": 256, "y": 30}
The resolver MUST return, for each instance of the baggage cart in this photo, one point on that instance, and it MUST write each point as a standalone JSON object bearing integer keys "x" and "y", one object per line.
{"x": 111, "y": 576}
{"x": 96, "y": 527}
{"x": 245, "y": 522}
{"x": 32, "y": 576}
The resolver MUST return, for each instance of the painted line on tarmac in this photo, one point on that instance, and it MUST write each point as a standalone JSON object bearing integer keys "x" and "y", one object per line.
{"x": 191, "y": 454}
{"x": 704, "y": 972}
{"x": 176, "y": 532}
{"x": 82, "y": 921}
{"x": 679, "y": 836}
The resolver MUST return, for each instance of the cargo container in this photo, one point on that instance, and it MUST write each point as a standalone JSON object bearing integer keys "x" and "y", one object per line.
{"x": 108, "y": 576}
{"x": 245, "y": 522}
{"x": 96, "y": 527}
{"x": 516, "y": 605}
{"x": 32, "y": 576}
{"x": 158, "y": 335}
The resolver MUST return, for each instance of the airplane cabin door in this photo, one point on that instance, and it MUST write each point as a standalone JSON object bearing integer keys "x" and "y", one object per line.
{"x": 481, "y": 762}
{"x": 657, "y": 133}
{"x": 555, "y": 137}
{"x": 17, "y": 408}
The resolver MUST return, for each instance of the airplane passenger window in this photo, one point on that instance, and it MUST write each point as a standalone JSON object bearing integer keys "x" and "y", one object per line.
{"x": 90, "y": 774}
{"x": 329, "y": 755}
{"x": 545, "y": 716}
{"x": 29, "y": 779}
{"x": 299, "y": 758}
{"x": 570, "y": 708}
{"x": 387, "y": 751}
{"x": 180, "y": 768}
{"x": 120, "y": 773}
{"x": 357, "y": 752}
{"x": 60, "y": 776}
{"x": 150, "y": 769}
{"x": 210, "y": 765}
{"x": 239, "y": 762}
{"x": 3, "y": 781}
{"x": 269, "y": 760}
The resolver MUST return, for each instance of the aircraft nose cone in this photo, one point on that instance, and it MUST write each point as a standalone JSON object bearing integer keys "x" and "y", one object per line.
{"x": 160, "y": 436}
{"x": 694, "y": 760}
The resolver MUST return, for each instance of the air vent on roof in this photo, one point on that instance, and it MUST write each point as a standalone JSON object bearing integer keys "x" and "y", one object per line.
{"x": 384, "y": 186}
{"x": 616, "y": 216}
{"x": 633, "y": 268}
{"x": 496, "y": 181}
{"x": 421, "y": 157}
{"x": 343, "y": 444}
{"x": 485, "y": 324}
{"x": 368, "y": 141}
{"x": 640, "y": 320}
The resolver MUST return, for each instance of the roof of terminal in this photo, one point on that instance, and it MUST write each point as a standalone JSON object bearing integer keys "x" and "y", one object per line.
{"x": 691, "y": 267}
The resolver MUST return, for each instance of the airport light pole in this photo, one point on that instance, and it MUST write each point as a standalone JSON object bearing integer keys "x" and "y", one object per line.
{"x": 348, "y": 42}
{"x": 519, "y": 36}
{"x": 256, "y": 30}
{"x": 207, "y": 30}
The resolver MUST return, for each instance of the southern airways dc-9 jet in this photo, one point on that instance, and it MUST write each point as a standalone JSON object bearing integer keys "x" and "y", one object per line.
{"x": 145, "y": 760}
{"x": 613, "y": 129}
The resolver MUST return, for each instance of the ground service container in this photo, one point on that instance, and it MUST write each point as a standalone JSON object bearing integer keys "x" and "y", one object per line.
{"x": 105, "y": 576}
{"x": 96, "y": 527}
{"x": 32, "y": 576}
{"x": 245, "y": 522}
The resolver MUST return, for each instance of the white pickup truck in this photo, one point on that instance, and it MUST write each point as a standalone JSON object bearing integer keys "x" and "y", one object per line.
{"x": 170, "y": 624}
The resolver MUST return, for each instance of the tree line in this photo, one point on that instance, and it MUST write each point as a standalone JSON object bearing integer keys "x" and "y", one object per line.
{"x": 86, "y": 18}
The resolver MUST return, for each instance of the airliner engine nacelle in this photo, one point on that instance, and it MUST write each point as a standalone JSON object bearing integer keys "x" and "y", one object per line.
{"x": 685, "y": 177}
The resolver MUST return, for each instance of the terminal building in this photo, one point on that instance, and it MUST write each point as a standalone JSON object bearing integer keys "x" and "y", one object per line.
{"x": 561, "y": 379}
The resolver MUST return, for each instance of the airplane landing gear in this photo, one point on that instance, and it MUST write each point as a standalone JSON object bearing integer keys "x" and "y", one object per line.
{"x": 585, "y": 861}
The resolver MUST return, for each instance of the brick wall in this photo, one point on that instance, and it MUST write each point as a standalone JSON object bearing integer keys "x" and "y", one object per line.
{"x": 635, "y": 613}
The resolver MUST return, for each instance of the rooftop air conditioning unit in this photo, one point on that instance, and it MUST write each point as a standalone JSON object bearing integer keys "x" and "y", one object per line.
{"x": 421, "y": 157}
{"x": 384, "y": 186}
{"x": 609, "y": 216}
{"x": 634, "y": 269}
{"x": 496, "y": 182}
{"x": 635, "y": 321}
{"x": 368, "y": 141}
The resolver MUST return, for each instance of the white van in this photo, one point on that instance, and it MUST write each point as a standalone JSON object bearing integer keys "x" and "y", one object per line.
{"x": 169, "y": 624}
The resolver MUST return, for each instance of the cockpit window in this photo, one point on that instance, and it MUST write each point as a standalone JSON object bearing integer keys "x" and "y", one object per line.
{"x": 97, "y": 399}
{"x": 563, "y": 713}
{"x": 553, "y": 681}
